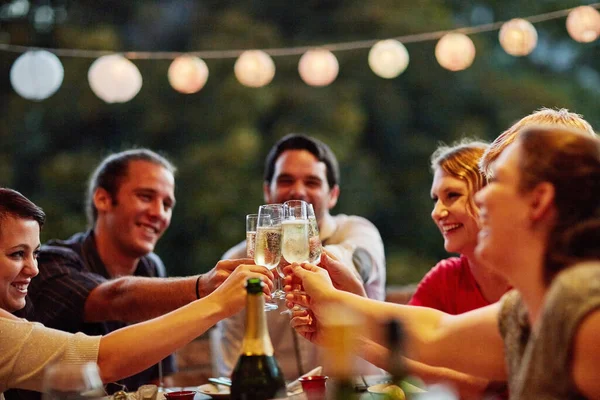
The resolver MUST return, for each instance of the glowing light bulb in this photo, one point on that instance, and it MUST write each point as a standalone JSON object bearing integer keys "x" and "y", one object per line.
{"x": 254, "y": 68}
{"x": 318, "y": 67}
{"x": 583, "y": 24}
{"x": 114, "y": 78}
{"x": 36, "y": 75}
{"x": 187, "y": 74}
{"x": 388, "y": 58}
{"x": 455, "y": 51}
{"x": 518, "y": 37}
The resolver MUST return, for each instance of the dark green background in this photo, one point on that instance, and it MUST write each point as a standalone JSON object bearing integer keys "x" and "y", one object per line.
{"x": 383, "y": 131}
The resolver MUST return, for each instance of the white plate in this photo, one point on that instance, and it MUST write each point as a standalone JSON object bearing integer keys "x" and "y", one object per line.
{"x": 215, "y": 391}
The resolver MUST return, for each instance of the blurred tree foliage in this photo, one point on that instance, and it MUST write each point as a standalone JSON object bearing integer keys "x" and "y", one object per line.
{"x": 383, "y": 131}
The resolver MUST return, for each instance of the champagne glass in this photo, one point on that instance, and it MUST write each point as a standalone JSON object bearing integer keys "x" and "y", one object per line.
{"x": 295, "y": 248}
{"x": 296, "y": 244}
{"x": 67, "y": 381}
{"x": 267, "y": 250}
{"x": 314, "y": 239}
{"x": 251, "y": 220}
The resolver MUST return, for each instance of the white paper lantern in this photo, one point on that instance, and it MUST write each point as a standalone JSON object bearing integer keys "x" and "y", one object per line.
{"x": 187, "y": 74}
{"x": 114, "y": 78}
{"x": 388, "y": 58}
{"x": 583, "y": 24}
{"x": 518, "y": 37}
{"x": 455, "y": 51}
{"x": 254, "y": 68}
{"x": 318, "y": 67}
{"x": 36, "y": 75}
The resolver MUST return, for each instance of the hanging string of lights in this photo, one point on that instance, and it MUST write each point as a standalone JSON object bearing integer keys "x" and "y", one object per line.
{"x": 38, "y": 73}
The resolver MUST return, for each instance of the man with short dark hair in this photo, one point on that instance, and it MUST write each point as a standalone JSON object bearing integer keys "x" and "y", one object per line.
{"x": 300, "y": 167}
{"x": 100, "y": 280}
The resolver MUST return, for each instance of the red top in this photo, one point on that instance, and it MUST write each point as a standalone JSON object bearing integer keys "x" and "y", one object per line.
{"x": 450, "y": 287}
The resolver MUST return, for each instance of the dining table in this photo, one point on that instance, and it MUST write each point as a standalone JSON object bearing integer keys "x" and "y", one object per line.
{"x": 361, "y": 383}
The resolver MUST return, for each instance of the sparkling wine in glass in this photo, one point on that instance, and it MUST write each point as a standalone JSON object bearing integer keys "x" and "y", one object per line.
{"x": 267, "y": 249}
{"x": 296, "y": 235}
{"x": 251, "y": 220}
{"x": 295, "y": 229}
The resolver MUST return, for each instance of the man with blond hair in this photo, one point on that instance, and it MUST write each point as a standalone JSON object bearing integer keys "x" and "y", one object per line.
{"x": 542, "y": 117}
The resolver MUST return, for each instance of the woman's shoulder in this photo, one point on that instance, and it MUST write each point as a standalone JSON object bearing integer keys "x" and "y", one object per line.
{"x": 512, "y": 318}
{"x": 572, "y": 313}
{"x": 578, "y": 283}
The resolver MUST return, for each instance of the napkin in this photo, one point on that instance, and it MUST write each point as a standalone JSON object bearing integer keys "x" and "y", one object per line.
{"x": 296, "y": 387}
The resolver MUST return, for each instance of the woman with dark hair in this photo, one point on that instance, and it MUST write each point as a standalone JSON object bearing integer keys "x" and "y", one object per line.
{"x": 542, "y": 336}
{"x": 26, "y": 347}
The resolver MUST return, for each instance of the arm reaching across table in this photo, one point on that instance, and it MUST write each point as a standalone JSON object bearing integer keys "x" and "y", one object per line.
{"x": 470, "y": 343}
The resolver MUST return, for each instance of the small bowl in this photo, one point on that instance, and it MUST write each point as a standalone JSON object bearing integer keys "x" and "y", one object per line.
{"x": 181, "y": 395}
{"x": 314, "y": 386}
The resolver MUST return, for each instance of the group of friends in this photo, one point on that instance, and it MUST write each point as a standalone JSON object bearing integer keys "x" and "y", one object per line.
{"x": 519, "y": 305}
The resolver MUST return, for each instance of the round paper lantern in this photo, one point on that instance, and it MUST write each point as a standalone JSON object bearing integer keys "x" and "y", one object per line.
{"x": 188, "y": 74}
{"x": 114, "y": 79}
{"x": 388, "y": 58}
{"x": 36, "y": 74}
{"x": 254, "y": 68}
{"x": 318, "y": 67}
{"x": 583, "y": 24}
{"x": 518, "y": 37}
{"x": 455, "y": 51}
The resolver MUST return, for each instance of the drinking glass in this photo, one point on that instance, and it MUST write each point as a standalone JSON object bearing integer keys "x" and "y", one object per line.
{"x": 314, "y": 240}
{"x": 267, "y": 250}
{"x": 295, "y": 235}
{"x": 295, "y": 248}
{"x": 66, "y": 381}
{"x": 251, "y": 220}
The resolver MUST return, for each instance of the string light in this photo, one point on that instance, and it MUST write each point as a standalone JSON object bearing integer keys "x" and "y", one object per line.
{"x": 187, "y": 74}
{"x": 455, "y": 51}
{"x": 36, "y": 75}
{"x": 388, "y": 58}
{"x": 318, "y": 67}
{"x": 321, "y": 68}
{"x": 114, "y": 79}
{"x": 583, "y": 24}
{"x": 254, "y": 68}
{"x": 518, "y": 37}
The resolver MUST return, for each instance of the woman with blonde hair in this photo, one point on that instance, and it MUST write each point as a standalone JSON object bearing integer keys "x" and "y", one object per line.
{"x": 540, "y": 221}
{"x": 458, "y": 284}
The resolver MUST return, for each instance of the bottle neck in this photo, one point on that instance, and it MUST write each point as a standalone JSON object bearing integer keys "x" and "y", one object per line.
{"x": 257, "y": 341}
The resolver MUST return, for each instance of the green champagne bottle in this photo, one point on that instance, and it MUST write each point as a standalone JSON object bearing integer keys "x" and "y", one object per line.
{"x": 257, "y": 375}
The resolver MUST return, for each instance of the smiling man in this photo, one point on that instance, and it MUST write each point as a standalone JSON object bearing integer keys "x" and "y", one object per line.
{"x": 300, "y": 167}
{"x": 100, "y": 280}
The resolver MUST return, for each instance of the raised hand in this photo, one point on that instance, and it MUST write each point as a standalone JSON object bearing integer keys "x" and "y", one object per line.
{"x": 343, "y": 277}
{"x": 313, "y": 284}
{"x": 214, "y": 278}
{"x": 231, "y": 293}
{"x": 318, "y": 295}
